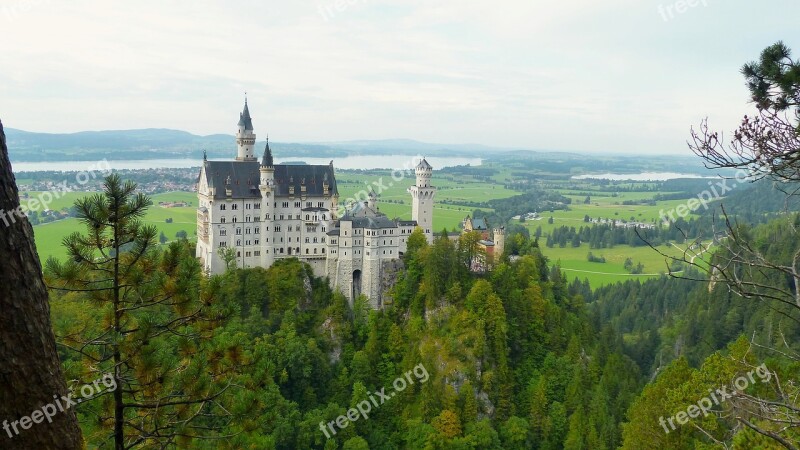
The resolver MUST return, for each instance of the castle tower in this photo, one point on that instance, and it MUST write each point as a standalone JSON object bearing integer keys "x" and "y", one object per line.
{"x": 372, "y": 201}
{"x": 266, "y": 186}
{"x": 422, "y": 195}
{"x": 499, "y": 242}
{"x": 245, "y": 137}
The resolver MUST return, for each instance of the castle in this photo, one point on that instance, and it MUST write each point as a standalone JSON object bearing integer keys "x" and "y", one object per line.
{"x": 255, "y": 213}
{"x": 492, "y": 245}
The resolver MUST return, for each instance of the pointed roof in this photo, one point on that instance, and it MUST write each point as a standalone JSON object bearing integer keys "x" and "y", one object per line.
{"x": 244, "y": 117}
{"x": 267, "y": 160}
{"x": 424, "y": 165}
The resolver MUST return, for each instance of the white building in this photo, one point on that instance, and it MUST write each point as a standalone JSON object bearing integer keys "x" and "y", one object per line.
{"x": 264, "y": 212}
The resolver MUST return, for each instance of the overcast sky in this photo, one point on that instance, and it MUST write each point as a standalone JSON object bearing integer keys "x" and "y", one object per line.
{"x": 578, "y": 75}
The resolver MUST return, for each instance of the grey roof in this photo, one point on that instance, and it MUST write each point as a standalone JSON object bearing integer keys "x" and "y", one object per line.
{"x": 267, "y": 160}
{"x": 376, "y": 222}
{"x": 245, "y": 177}
{"x": 479, "y": 224}
{"x": 244, "y": 118}
{"x": 424, "y": 164}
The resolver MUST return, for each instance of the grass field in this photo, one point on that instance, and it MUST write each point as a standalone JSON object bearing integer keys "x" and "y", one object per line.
{"x": 49, "y": 236}
{"x": 574, "y": 262}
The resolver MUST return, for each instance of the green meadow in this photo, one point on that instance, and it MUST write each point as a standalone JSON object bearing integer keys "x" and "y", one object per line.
{"x": 49, "y": 236}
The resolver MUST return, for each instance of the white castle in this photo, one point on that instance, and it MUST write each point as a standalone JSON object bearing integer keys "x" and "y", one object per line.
{"x": 265, "y": 212}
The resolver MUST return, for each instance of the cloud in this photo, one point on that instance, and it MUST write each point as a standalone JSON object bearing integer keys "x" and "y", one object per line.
{"x": 578, "y": 75}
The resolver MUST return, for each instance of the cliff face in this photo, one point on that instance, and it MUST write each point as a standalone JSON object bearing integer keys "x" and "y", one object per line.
{"x": 30, "y": 371}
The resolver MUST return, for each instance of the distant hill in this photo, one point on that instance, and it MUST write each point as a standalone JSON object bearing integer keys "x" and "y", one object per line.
{"x": 157, "y": 143}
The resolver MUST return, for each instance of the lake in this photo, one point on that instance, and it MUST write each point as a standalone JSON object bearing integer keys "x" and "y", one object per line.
{"x": 349, "y": 162}
{"x": 644, "y": 176}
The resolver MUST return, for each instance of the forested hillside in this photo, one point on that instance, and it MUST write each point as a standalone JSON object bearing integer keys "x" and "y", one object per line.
{"x": 261, "y": 358}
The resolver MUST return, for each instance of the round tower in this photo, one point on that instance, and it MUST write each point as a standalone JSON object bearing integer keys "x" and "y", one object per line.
{"x": 422, "y": 195}
{"x": 245, "y": 137}
{"x": 372, "y": 200}
{"x": 499, "y": 242}
{"x": 267, "y": 186}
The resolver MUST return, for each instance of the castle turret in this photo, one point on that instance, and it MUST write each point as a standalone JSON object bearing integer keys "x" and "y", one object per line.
{"x": 372, "y": 200}
{"x": 267, "y": 185}
{"x": 422, "y": 195}
{"x": 245, "y": 137}
{"x": 499, "y": 242}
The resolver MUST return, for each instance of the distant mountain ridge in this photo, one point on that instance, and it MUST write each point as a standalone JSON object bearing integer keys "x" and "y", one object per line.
{"x": 160, "y": 143}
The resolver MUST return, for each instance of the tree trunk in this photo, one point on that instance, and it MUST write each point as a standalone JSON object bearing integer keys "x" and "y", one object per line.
{"x": 30, "y": 371}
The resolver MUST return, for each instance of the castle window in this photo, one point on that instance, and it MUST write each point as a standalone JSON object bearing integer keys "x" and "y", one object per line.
{"x": 296, "y": 204}
{"x": 247, "y": 230}
{"x": 297, "y": 227}
{"x": 307, "y": 240}
{"x": 221, "y": 220}
{"x": 258, "y": 219}
{"x": 308, "y": 204}
{"x": 223, "y": 232}
{"x": 256, "y": 205}
{"x": 277, "y": 228}
{"x": 285, "y": 204}
{"x": 281, "y": 217}
{"x": 234, "y": 206}
{"x": 266, "y": 217}
{"x": 238, "y": 242}
{"x": 222, "y": 207}
{"x": 247, "y": 243}
{"x": 247, "y": 206}
{"x": 315, "y": 251}
{"x": 238, "y": 231}
{"x": 257, "y": 241}
{"x": 321, "y": 204}
{"x": 307, "y": 217}
{"x": 257, "y": 253}
{"x": 247, "y": 219}
{"x": 238, "y": 254}
{"x": 247, "y": 254}
{"x": 223, "y": 244}
{"x": 306, "y": 251}
{"x": 234, "y": 220}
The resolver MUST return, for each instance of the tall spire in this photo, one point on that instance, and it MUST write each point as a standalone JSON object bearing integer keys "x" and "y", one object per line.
{"x": 244, "y": 118}
{"x": 266, "y": 160}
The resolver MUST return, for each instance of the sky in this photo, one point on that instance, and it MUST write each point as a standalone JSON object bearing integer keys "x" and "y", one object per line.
{"x": 613, "y": 76}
